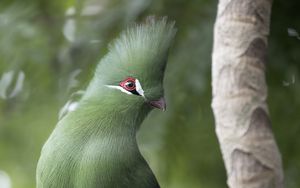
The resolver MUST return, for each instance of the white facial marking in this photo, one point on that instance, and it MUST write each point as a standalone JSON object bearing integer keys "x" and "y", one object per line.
{"x": 73, "y": 106}
{"x": 139, "y": 88}
{"x": 119, "y": 88}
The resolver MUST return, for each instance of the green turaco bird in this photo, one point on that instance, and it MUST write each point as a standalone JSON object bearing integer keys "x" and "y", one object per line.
{"x": 94, "y": 145}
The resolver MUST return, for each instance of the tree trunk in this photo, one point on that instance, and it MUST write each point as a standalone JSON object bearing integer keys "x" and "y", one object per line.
{"x": 243, "y": 127}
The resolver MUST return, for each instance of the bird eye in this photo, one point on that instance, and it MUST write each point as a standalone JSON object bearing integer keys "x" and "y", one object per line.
{"x": 128, "y": 84}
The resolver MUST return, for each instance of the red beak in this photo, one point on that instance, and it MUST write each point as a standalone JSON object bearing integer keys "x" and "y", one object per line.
{"x": 160, "y": 104}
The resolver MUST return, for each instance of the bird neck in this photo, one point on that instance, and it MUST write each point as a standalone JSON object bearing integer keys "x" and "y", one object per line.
{"x": 99, "y": 139}
{"x": 101, "y": 117}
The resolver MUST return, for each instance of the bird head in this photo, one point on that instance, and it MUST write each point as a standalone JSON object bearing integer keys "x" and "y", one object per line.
{"x": 132, "y": 71}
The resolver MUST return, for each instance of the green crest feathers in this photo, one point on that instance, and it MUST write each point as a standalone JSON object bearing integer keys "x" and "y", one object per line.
{"x": 139, "y": 50}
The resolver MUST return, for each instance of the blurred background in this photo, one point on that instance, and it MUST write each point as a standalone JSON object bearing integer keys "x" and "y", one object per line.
{"x": 49, "y": 49}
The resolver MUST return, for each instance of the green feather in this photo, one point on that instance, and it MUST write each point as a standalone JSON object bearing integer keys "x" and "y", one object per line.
{"x": 95, "y": 145}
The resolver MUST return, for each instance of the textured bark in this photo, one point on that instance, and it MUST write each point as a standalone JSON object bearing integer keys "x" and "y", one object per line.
{"x": 243, "y": 127}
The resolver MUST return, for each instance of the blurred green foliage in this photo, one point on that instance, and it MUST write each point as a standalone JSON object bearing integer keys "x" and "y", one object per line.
{"x": 56, "y": 45}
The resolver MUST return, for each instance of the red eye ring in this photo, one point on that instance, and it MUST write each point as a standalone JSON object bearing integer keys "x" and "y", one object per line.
{"x": 128, "y": 84}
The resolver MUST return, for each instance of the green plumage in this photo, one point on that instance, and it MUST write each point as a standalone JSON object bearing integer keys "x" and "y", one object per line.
{"x": 95, "y": 145}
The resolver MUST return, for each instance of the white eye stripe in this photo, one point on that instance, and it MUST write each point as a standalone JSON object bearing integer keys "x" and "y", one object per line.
{"x": 119, "y": 88}
{"x": 138, "y": 86}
